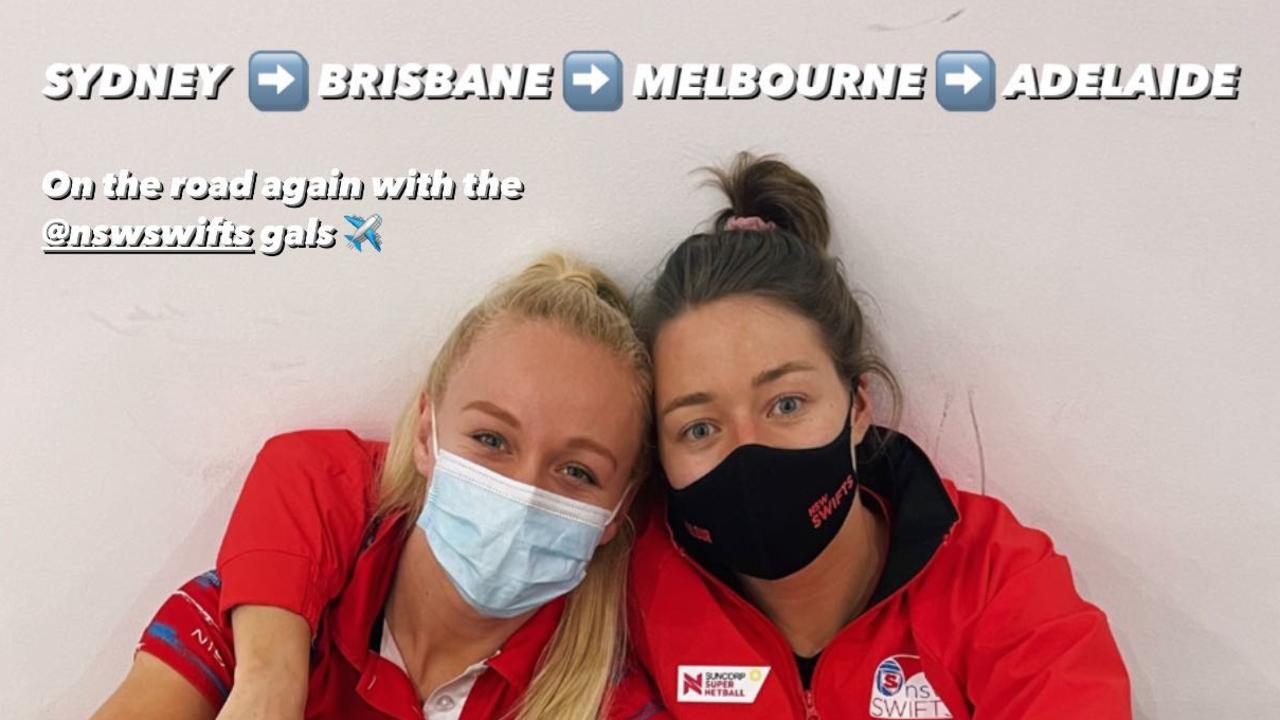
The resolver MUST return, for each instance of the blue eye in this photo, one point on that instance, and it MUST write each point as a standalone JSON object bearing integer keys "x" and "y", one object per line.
{"x": 788, "y": 405}
{"x": 493, "y": 441}
{"x": 697, "y": 431}
{"x": 581, "y": 474}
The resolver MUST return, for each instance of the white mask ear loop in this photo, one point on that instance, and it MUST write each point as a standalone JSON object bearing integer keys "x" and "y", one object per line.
{"x": 621, "y": 501}
{"x": 435, "y": 444}
{"x": 853, "y": 448}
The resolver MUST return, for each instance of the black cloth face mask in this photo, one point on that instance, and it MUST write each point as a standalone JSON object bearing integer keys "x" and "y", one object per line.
{"x": 768, "y": 512}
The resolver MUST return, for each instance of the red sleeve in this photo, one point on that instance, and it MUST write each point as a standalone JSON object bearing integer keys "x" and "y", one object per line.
{"x": 635, "y": 698}
{"x": 185, "y": 636}
{"x": 1037, "y": 649}
{"x": 297, "y": 526}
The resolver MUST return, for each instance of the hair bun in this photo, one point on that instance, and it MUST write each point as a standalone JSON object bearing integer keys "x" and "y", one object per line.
{"x": 767, "y": 188}
{"x": 580, "y": 277}
{"x": 562, "y": 268}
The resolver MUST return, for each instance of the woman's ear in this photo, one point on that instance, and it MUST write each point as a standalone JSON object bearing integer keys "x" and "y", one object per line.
{"x": 423, "y": 458}
{"x": 611, "y": 530}
{"x": 861, "y": 410}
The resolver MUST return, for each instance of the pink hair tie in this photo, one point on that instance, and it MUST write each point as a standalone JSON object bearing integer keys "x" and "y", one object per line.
{"x": 752, "y": 222}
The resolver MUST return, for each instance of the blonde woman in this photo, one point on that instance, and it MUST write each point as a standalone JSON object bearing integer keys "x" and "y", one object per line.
{"x": 473, "y": 567}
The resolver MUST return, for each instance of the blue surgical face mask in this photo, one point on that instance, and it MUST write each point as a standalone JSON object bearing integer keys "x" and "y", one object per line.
{"x": 508, "y": 547}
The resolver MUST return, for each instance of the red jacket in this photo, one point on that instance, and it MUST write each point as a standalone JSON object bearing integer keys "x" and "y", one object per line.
{"x": 974, "y": 616}
{"x": 303, "y": 537}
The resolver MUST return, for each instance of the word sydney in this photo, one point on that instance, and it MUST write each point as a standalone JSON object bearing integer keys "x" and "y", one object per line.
{"x": 162, "y": 81}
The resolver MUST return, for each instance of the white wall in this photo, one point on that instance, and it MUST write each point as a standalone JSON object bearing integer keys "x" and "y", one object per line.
{"x": 1091, "y": 286}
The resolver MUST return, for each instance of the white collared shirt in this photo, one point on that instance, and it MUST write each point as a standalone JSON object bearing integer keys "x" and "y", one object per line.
{"x": 447, "y": 700}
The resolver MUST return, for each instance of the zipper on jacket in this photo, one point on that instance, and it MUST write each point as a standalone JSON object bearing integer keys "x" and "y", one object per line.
{"x": 783, "y": 649}
{"x": 810, "y": 708}
{"x": 813, "y": 679}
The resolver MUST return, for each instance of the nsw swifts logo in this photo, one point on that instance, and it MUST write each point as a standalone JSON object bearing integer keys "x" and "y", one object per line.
{"x": 827, "y": 505}
{"x": 719, "y": 683}
{"x": 900, "y": 690}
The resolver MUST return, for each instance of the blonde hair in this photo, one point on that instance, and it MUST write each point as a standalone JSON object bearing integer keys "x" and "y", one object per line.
{"x": 577, "y": 666}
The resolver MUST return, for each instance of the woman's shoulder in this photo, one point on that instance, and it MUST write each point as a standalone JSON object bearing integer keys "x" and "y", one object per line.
{"x": 987, "y": 524}
{"x": 332, "y": 443}
{"x": 331, "y": 458}
{"x": 989, "y": 548}
{"x": 1003, "y": 607}
{"x": 336, "y": 448}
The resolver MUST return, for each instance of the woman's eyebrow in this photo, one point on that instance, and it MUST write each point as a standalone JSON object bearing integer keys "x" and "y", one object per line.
{"x": 490, "y": 409}
{"x": 765, "y": 377}
{"x": 698, "y": 398}
{"x": 769, "y": 376}
{"x": 585, "y": 443}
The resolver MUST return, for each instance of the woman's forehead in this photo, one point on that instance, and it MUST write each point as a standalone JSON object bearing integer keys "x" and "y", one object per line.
{"x": 540, "y": 368}
{"x": 732, "y": 341}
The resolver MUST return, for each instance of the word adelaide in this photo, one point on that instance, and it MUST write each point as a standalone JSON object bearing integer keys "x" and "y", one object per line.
{"x": 1110, "y": 81}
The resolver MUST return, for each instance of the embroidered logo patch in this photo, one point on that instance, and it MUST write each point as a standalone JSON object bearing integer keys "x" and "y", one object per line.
{"x": 719, "y": 683}
{"x": 900, "y": 690}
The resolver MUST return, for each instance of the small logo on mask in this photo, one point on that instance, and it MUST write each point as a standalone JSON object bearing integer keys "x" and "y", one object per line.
{"x": 698, "y": 533}
{"x": 827, "y": 505}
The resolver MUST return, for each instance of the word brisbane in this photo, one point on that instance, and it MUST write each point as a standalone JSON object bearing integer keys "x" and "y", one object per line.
{"x": 435, "y": 81}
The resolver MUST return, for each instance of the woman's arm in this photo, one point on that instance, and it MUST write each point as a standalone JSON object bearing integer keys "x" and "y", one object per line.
{"x": 289, "y": 546}
{"x": 186, "y": 667}
{"x": 273, "y": 650}
{"x": 270, "y": 677}
{"x": 154, "y": 691}
{"x": 297, "y": 526}
{"x": 287, "y": 552}
{"x": 1037, "y": 649}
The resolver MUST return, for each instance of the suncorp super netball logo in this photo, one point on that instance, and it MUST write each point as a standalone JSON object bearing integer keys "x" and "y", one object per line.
{"x": 719, "y": 683}
{"x": 900, "y": 690}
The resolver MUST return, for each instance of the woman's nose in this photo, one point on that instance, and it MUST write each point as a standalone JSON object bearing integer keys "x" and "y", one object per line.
{"x": 743, "y": 432}
{"x": 529, "y": 472}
